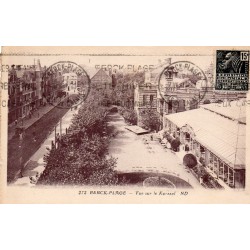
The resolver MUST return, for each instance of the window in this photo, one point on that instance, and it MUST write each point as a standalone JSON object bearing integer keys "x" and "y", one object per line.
{"x": 151, "y": 99}
{"x": 211, "y": 161}
{"x": 178, "y": 132}
{"x": 187, "y": 137}
{"x": 144, "y": 100}
{"x": 216, "y": 167}
{"x": 202, "y": 151}
{"x": 221, "y": 169}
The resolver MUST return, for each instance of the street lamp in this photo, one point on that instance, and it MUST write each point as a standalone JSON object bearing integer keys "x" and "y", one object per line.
{"x": 21, "y": 154}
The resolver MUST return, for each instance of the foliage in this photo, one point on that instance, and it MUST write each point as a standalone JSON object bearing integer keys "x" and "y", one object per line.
{"x": 206, "y": 101}
{"x": 151, "y": 119}
{"x": 169, "y": 138}
{"x": 138, "y": 77}
{"x": 193, "y": 104}
{"x": 193, "y": 78}
{"x": 175, "y": 144}
{"x": 81, "y": 158}
{"x": 190, "y": 160}
{"x": 129, "y": 115}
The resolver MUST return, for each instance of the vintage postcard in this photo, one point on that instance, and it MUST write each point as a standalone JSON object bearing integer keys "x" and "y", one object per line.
{"x": 124, "y": 125}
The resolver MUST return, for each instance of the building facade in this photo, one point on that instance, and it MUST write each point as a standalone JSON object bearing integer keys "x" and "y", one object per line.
{"x": 25, "y": 91}
{"x": 145, "y": 97}
{"x": 216, "y": 137}
{"x": 101, "y": 80}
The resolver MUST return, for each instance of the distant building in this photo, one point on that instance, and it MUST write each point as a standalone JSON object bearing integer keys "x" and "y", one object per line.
{"x": 216, "y": 133}
{"x": 123, "y": 94}
{"x": 53, "y": 85}
{"x": 100, "y": 78}
{"x": 69, "y": 81}
{"x": 145, "y": 97}
{"x": 146, "y": 94}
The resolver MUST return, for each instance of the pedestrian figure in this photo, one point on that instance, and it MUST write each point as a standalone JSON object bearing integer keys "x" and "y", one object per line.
{"x": 34, "y": 136}
{"x": 30, "y": 114}
{"x": 16, "y": 122}
{"x": 38, "y": 114}
{"x": 57, "y": 138}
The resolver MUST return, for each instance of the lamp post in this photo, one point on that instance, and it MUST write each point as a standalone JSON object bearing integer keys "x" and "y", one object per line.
{"x": 21, "y": 154}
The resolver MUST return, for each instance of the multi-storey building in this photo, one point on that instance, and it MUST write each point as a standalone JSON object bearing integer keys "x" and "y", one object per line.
{"x": 25, "y": 91}
{"x": 52, "y": 85}
{"x": 69, "y": 81}
{"x": 145, "y": 97}
{"x": 146, "y": 93}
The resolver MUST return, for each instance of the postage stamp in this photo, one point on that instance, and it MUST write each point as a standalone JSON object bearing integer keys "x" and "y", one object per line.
{"x": 232, "y": 70}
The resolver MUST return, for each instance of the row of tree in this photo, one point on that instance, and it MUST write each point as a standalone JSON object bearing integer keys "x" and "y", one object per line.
{"x": 128, "y": 114}
{"x": 81, "y": 158}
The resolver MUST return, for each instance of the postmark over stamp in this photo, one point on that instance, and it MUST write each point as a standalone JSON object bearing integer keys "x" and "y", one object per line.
{"x": 232, "y": 70}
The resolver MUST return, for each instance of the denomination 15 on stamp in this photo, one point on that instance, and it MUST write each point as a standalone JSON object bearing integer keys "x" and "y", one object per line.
{"x": 232, "y": 70}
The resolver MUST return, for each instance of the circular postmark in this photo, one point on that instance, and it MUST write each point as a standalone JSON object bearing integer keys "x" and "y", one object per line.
{"x": 65, "y": 84}
{"x": 182, "y": 81}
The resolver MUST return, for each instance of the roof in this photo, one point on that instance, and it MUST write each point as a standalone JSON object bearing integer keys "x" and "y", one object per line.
{"x": 224, "y": 137}
{"x": 234, "y": 110}
{"x": 91, "y": 71}
{"x": 20, "y": 73}
{"x": 179, "y": 81}
{"x": 137, "y": 130}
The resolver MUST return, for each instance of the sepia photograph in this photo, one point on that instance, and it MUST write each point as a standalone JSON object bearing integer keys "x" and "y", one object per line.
{"x": 125, "y": 124}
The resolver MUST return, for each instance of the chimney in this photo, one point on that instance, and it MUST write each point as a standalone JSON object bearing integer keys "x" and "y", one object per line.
{"x": 168, "y": 60}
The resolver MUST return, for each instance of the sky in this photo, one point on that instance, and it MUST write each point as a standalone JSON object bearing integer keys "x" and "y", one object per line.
{"x": 91, "y": 61}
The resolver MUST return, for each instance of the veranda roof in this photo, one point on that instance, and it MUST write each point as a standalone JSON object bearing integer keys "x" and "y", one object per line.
{"x": 224, "y": 137}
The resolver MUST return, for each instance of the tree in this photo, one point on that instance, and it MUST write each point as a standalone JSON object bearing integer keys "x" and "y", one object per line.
{"x": 128, "y": 114}
{"x": 189, "y": 160}
{"x": 206, "y": 101}
{"x": 81, "y": 158}
{"x": 151, "y": 119}
{"x": 175, "y": 144}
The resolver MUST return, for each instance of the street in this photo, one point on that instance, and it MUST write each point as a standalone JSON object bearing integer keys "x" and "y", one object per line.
{"x": 134, "y": 154}
{"x": 20, "y": 151}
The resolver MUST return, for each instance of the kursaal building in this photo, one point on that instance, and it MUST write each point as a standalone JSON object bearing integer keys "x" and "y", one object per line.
{"x": 216, "y": 135}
